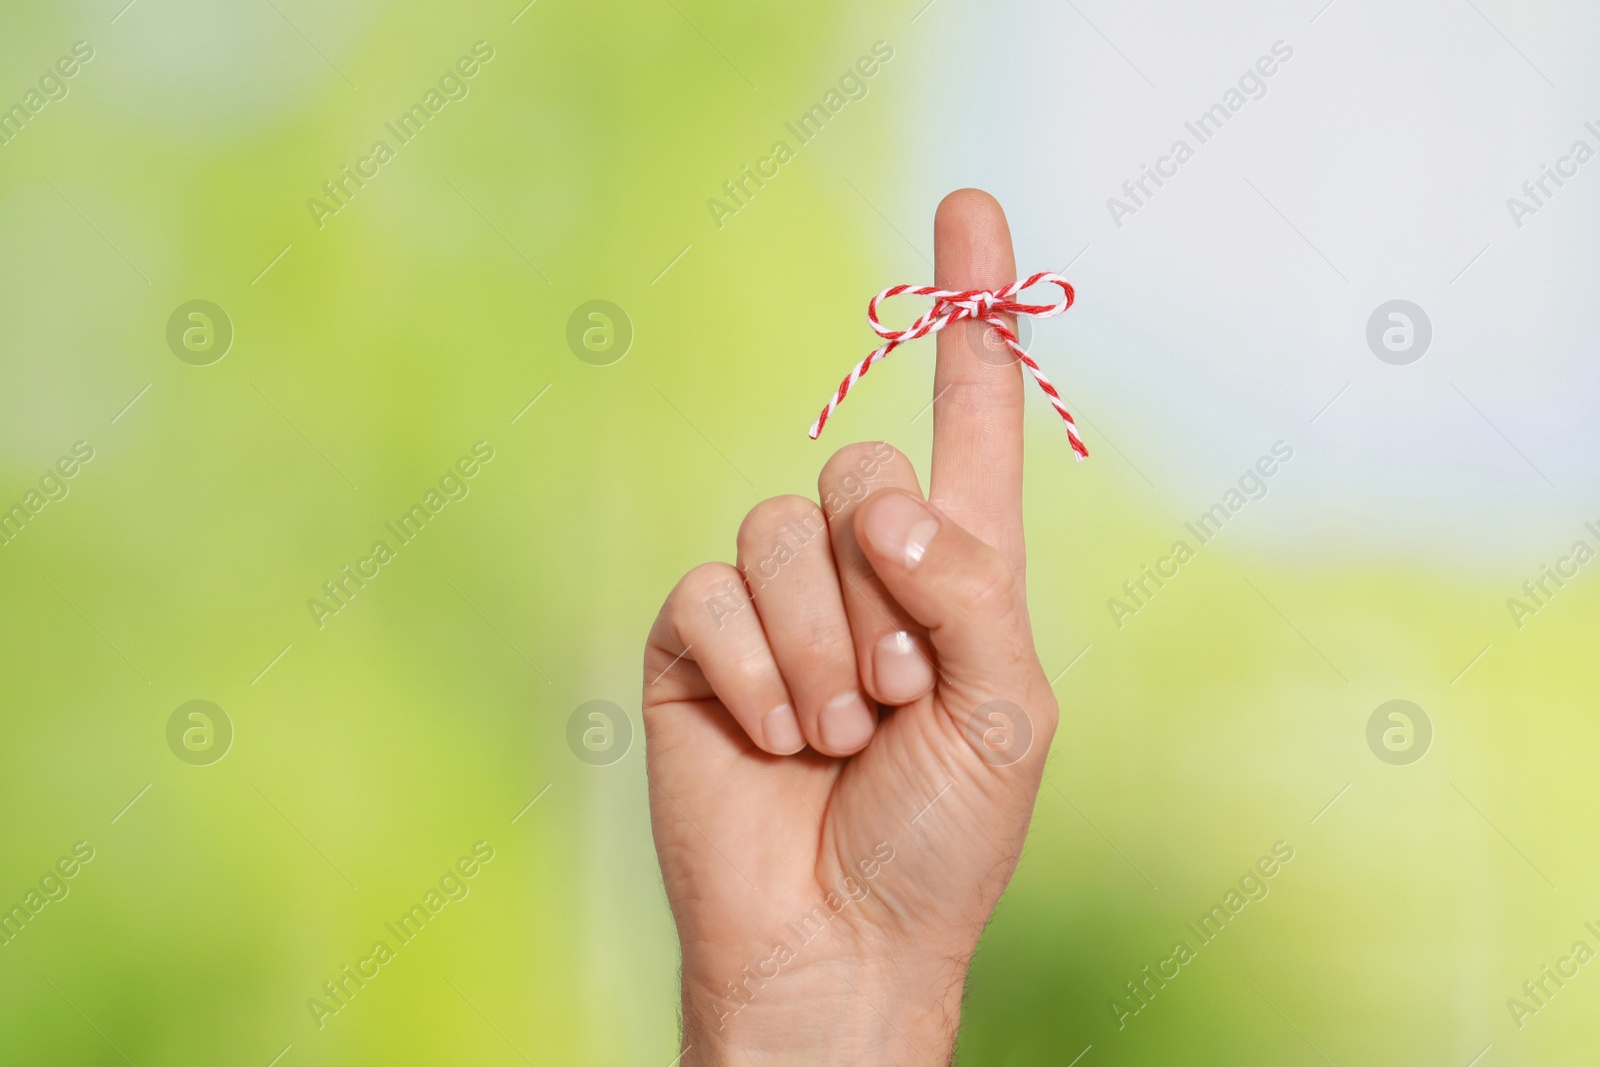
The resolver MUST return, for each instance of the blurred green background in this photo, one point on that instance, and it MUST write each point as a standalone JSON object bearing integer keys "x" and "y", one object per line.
{"x": 375, "y": 347}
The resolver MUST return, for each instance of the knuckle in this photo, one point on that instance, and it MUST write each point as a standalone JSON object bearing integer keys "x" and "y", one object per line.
{"x": 707, "y": 595}
{"x": 987, "y": 586}
{"x": 776, "y": 530}
{"x": 827, "y": 650}
{"x": 986, "y": 394}
{"x": 1049, "y": 715}
{"x": 861, "y": 457}
{"x": 748, "y": 671}
{"x": 772, "y": 514}
{"x": 850, "y": 473}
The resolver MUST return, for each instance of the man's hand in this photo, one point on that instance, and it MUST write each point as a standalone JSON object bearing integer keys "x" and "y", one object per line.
{"x": 830, "y": 865}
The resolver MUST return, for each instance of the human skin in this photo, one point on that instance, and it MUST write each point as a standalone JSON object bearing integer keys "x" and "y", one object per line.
{"x": 778, "y": 785}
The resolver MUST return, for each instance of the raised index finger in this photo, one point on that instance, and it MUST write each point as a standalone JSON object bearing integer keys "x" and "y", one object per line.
{"x": 977, "y": 413}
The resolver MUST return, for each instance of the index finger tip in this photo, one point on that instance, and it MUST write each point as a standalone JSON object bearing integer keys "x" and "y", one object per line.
{"x": 972, "y": 242}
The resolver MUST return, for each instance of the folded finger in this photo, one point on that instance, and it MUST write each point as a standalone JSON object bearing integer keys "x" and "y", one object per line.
{"x": 956, "y": 585}
{"x": 711, "y": 620}
{"x": 785, "y": 558}
{"x": 891, "y": 648}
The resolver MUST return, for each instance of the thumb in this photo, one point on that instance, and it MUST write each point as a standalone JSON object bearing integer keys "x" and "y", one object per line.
{"x": 966, "y": 594}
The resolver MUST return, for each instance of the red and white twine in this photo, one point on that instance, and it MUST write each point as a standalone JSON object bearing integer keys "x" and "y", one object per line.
{"x": 951, "y": 306}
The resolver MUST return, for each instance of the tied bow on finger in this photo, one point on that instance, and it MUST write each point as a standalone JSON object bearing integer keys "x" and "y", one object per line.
{"x": 951, "y": 306}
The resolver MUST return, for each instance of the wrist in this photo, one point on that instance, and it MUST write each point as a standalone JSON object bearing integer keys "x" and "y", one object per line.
{"x": 847, "y": 1010}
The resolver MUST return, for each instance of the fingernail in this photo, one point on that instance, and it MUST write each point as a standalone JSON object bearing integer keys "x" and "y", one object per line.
{"x": 782, "y": 731}
{"x": 900, "y": 528}
{"x": 900, "y": 669}
{"x": 846, "y": 723}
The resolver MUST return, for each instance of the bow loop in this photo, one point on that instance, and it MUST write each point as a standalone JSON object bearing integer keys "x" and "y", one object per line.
{"x": 950, "y": 306}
